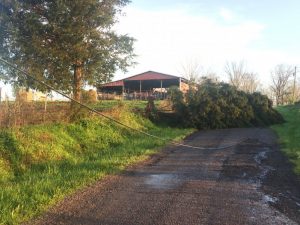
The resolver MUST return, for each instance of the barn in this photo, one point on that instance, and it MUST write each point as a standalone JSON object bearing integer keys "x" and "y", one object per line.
{"x": 142, "y": 86}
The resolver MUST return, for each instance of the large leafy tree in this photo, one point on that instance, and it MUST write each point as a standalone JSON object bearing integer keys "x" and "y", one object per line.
{"x": 63, "y": 42}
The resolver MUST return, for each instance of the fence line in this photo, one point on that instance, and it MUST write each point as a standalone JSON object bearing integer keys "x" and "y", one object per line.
{"x": 133, "y": 96}
{"x": 16, "y": 114}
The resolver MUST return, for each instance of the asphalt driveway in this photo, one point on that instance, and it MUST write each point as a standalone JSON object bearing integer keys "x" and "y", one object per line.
{"x": 249, "y": 183}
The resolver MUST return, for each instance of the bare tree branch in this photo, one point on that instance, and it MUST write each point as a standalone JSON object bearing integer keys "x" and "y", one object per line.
{"x": 280, "y": 78}
{"x": 240, "y": 78}
{"x": 192, "y": 71}
{"x": 250, "y": 83}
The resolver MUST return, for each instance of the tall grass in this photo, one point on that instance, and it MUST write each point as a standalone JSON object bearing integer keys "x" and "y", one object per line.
{"x": 41, "y": 164}
{"x": 108, "y": 104}
{"x": 289, "y": 133}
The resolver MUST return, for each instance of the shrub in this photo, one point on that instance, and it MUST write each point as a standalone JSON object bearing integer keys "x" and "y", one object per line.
{"x": 89, "y": 96}
{"x": 150, "y": 110}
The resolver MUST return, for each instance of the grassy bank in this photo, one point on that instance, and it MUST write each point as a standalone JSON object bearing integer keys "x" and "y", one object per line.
{"x": 41, "y": 164}
{"x": 289, "y": 133}
{"x": 108, "y": 104}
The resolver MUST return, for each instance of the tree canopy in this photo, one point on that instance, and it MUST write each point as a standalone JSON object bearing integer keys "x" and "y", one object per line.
{"x": 65, "y": 43}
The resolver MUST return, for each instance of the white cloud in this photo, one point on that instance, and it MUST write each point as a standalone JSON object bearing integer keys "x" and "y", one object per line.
{"x": 167, "y": 39}
{"x": 226, "y": 14}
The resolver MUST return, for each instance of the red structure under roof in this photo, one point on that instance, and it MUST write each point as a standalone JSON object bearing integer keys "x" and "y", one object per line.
{"x": 149, "y": 75}
{"x": 147, "y": 83}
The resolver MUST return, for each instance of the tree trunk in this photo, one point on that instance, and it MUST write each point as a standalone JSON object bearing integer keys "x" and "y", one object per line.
{"x": 77, "y": 85}
{"x": 77, "y": 81}
{"x": 279, "y": 98}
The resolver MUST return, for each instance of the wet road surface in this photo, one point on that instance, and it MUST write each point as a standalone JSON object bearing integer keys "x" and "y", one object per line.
{"x": 188, "y": 186}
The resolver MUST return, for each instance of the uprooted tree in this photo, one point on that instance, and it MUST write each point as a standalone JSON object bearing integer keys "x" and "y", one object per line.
{"x": 214, "y": 105}
{"x": 64, "y": 43}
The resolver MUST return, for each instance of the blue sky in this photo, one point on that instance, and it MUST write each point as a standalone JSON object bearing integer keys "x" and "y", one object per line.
{"x": 172, "y": 32}
{"x": 281, "y": 18}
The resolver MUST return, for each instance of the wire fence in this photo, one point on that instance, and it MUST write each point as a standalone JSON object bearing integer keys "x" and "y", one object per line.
{"x": 19, "y": 113}
{"x": 28, "y": 107}
{"x": 144, "y": 96}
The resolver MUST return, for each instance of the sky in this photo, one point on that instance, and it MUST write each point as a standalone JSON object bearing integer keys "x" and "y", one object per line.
{"x": 170, "y": 34}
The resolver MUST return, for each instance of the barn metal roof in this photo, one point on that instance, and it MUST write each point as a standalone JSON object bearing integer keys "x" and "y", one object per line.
{"x": 114, "y": 84}
{"x": 149, "y": 75}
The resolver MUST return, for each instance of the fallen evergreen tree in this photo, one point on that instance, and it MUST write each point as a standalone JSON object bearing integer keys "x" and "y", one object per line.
{"x": 212, "y": 105}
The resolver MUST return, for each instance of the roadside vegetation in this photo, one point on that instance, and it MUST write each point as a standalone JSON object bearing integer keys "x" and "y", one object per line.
{"x": 133, "y": 104}
{"x": 40, "y": 164}
{"x": 289, "y": 133}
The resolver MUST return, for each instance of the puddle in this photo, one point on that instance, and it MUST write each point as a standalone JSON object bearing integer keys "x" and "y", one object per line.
{"x": 162, "y": 181}
{"x": 264, "y": 169}
{"x": 261, "y": 155}
{"x": 268, "y": 198}
{"x": 268, "y": 216}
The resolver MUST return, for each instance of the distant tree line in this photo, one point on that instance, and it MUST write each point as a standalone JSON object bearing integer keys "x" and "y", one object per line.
{"x": 283, "y": 89}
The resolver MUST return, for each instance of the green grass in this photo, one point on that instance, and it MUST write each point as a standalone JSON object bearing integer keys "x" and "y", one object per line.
{"x": 289, "y": 133}
{"x": 109, "y": 104}
{"x": 41, "y": 164}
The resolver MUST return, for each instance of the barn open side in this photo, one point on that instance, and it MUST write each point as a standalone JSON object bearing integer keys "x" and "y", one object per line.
{"x": 144, "y": 85}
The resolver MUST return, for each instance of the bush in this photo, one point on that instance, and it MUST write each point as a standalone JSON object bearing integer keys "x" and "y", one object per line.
{"x": 89, "y": 96}
{"x": 150, "y": 110}
{"x": 220, "y": 105}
